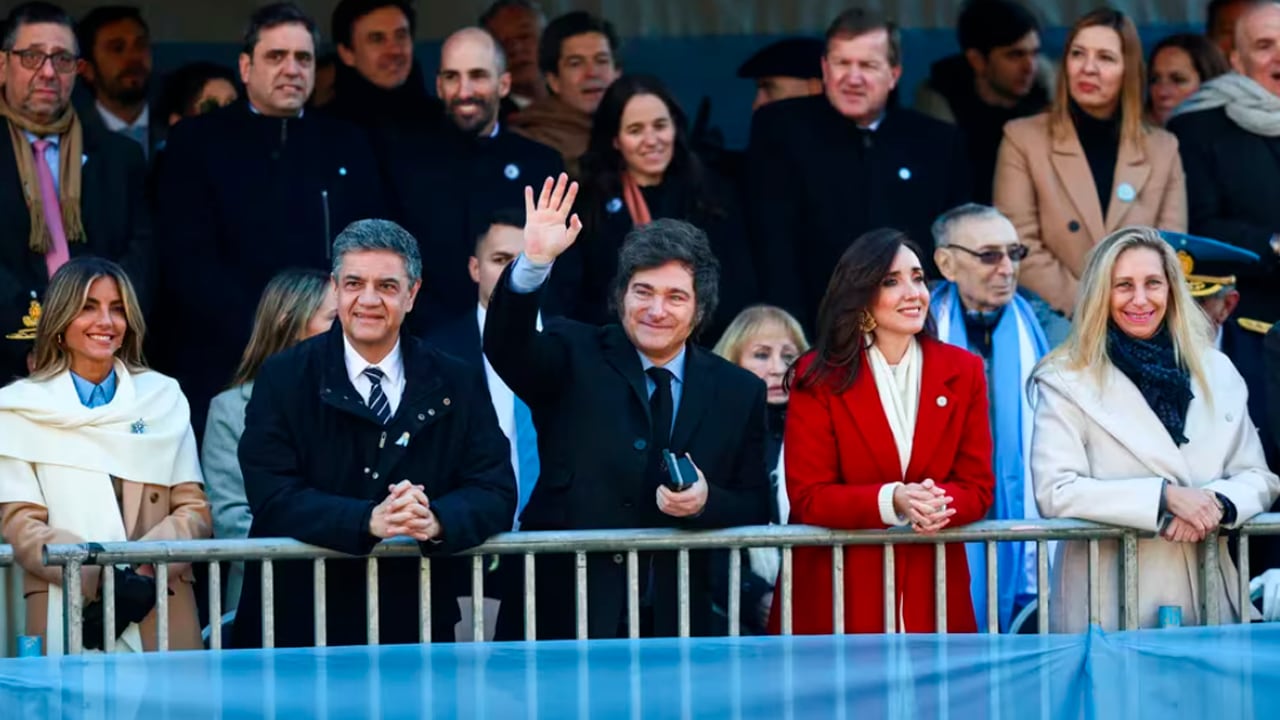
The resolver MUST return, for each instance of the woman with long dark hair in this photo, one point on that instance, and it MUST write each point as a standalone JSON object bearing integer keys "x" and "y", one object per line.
{"x": 887, "y": 426}
{"x": 639, "y": 166}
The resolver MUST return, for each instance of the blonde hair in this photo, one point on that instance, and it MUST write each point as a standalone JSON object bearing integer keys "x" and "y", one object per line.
{"x": 287, "y": 305}
{"x": 1133, "y": 124}
{"x": 65, "y": 298}
{"x": 1086, "y": 346}
{"x": 749, "y": 322}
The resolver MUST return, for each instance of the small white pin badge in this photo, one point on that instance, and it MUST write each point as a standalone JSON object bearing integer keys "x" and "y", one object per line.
{"x": 83, "y": 159}
{"x": 511, "y": 171}
{"x": 138, "y": 427}
{"x": 404, "y": 440}
{"x": 613, "y": 206}
{"x": 942, "y": 401}
{"x": 1126, "y": 192}
{"x": 904, "y": 173}
{"x": 342, "y": 171}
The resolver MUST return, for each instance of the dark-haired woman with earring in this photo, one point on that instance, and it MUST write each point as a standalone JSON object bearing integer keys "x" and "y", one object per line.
{"x": 887, "y": 426}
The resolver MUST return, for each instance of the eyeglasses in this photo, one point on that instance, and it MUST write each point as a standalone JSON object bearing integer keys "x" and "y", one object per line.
{"x": 993, "y": 256}
{"x": 63, "y": 62}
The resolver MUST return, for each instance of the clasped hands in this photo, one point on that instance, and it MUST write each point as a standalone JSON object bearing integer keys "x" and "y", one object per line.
{"x": 1195, "y": 513}
{"x": 405, "y": 512}
{"x": 925, "y": 505}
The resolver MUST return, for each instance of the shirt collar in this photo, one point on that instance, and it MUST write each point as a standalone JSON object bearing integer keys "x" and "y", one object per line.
{"x": 115, "y": 124}
{"x": 392, "y": 366}
{"x": 85, "y": 390}
{"x": 54, "y": 140}
{"x": 496, "y": 127}
{"x": 675, "y": 367}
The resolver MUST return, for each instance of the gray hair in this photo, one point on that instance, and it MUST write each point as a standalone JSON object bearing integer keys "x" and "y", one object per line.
{"x": 946, "y": 224}
{"x": 663, "y": 241}
{"x": 363, "y": 235}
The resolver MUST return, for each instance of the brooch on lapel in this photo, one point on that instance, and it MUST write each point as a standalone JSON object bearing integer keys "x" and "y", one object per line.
{"x": 404, "y": 440}
{"x": 138, "y": 427}
{"x": 511, "y": 171}
{"x": 942, "y": 401}
{"x": 614, "y": 206}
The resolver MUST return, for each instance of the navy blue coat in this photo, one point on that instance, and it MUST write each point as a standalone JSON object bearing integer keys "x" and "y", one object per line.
{"x": 316, "y": 462}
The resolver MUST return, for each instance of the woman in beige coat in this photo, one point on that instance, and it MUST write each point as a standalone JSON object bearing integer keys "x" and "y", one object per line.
{"x": 1140, "y": 423}
{"x": 96, "y": 447}
{"x": 1090, "y": 164}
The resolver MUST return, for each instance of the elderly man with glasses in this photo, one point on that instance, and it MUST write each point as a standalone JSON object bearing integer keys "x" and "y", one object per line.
{"x": 979, "y": 307}
{"x": 66, "y": 189}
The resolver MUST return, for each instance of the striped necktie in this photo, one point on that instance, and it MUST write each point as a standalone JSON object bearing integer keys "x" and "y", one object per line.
{"x": 377, "y": 399}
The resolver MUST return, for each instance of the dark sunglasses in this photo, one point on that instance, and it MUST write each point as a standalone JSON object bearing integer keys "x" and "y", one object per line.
{"x": 993, "y": 256}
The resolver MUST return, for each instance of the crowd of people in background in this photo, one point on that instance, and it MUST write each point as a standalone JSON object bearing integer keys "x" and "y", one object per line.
{"x": 307, "y": 297}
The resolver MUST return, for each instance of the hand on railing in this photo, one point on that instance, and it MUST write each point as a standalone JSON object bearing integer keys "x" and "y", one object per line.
{"x": 407, "y": 512}
{"x": 1196, "y": 507}
{"x": 1269, "y": 585}
{"x": 925, "y": 505}
{"x": 1180, "y": 530}
{"x": 135, "y": 597}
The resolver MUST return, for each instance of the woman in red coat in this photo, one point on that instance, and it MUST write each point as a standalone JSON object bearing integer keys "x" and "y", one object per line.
{"x": 887, "y": 427}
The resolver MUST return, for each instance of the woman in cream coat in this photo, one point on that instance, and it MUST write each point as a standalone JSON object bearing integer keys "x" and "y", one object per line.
{"x": 1141, "y": 423}
{"x": 1091, "y": 164}
{"x": 96, "y": 447}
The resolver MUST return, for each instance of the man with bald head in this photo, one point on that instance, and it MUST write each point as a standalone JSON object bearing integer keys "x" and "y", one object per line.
{"x": 449, "y": 183}
{"x": 1229, "y": 138}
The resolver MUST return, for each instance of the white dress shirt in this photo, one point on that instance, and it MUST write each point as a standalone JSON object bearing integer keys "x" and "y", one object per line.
{"x": 392, "y": 367}
{"x": 503, "y": 399}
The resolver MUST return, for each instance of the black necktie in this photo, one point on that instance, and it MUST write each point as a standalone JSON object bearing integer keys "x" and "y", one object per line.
{"x": 660, "y": 410}
{"x": 377, "y": 399}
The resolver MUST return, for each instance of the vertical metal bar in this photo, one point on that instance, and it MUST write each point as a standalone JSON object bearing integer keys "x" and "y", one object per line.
{"x": 1130, "y": 592}
{"x": 682, "y": 591}
{"x": 580, "y": 588}
{"x": 477, "y": 598}
{"x": 890, "y": 592}
{"x": 424, "y": 599}
{"x": 108, "y": 608}
{"x": 1212, "y": 574}
{"x": 1242, "y": 575}
{"x": 633, "y": 594}
{"x": 786, "y": 590}
{"x": 940, "y": 588}
{"x": 371, "y": 602}
{"x": 73, "y": 602}
{"x": 215, "y": 605}
{"x": 1042, "y": 587}
{"x": 162, "y": 606}
{"x": 268, "y": 606}
{"x": 320, "y": 594}
{"x": 993, "y": 585}
{"x": 837, "y": 589}
{"x": 530, "y": 598}
{"x": 1095, "y": 592}
{"x": 735, "y": 592}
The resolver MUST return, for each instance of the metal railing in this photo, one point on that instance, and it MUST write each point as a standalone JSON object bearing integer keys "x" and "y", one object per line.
{"x": 632, "y": 542}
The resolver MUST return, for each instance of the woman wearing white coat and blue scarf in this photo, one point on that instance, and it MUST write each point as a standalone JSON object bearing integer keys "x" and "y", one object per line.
{"x": 978, "y": 308}
{"x": 1140, "y": 423}
{"x": 94, "y": 447}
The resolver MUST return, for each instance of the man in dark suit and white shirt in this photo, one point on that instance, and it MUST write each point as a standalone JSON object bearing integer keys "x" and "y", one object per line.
{"x": 366, "y": 433}
{"x": 608, "y": 400}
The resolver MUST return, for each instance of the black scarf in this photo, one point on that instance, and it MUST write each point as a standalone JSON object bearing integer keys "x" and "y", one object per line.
{"x": 1163, "y": 382}
{"x": 361, "y": 102}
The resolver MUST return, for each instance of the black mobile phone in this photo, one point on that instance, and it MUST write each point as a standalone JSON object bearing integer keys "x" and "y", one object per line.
{"x": 680, "y": 471}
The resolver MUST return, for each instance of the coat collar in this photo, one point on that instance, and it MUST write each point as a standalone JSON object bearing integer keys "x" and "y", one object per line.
{"x": 1072, "y": 168}
{"x": 937, "y": 404}
{"x": 421, "y": 374}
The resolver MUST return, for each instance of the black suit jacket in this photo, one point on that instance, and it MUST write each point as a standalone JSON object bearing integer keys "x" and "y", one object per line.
{"x": 1232, "y": 175}
{"x": 243, "y": 197}
{"x": 1264, "y": 551}
{"x": 815, "y": 185}
{"x": 460, "y": 337}
{"x": 586, "y": 389}
{"x": 116, "y": 222}
{"x": 444, "y": 189}
{"x": 316, "y": 462}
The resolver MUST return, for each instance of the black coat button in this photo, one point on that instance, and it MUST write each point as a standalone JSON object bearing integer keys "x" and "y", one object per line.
{"x": 627, "y": 504}
{"x": 1073, "y": 226}
{"x": 639, "y": 444}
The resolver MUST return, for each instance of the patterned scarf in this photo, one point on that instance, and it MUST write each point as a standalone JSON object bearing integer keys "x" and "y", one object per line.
{"x": 1162, "y": 380}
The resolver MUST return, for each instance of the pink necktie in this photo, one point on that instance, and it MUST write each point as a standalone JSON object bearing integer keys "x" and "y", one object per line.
{"x": 58, "y": 254}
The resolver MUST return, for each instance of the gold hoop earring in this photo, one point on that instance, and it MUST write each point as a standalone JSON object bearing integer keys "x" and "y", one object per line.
{"x": 867, "y": 323}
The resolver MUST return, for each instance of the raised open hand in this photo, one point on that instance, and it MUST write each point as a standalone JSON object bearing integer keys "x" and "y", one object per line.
{"x": 545, "y": 234}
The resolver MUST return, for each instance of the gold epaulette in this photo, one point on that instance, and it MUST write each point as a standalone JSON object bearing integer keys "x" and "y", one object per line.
{"x": 1254, "y": 325}
{"x": 29, "y": 323}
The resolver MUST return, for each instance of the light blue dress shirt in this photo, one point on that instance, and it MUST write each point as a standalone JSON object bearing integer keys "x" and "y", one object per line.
{"x": 50, "y": 156}
{"x": 92, "y": 396}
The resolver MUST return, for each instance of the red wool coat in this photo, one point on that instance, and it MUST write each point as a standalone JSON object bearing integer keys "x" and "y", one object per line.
{"x": 840, "y": 451}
